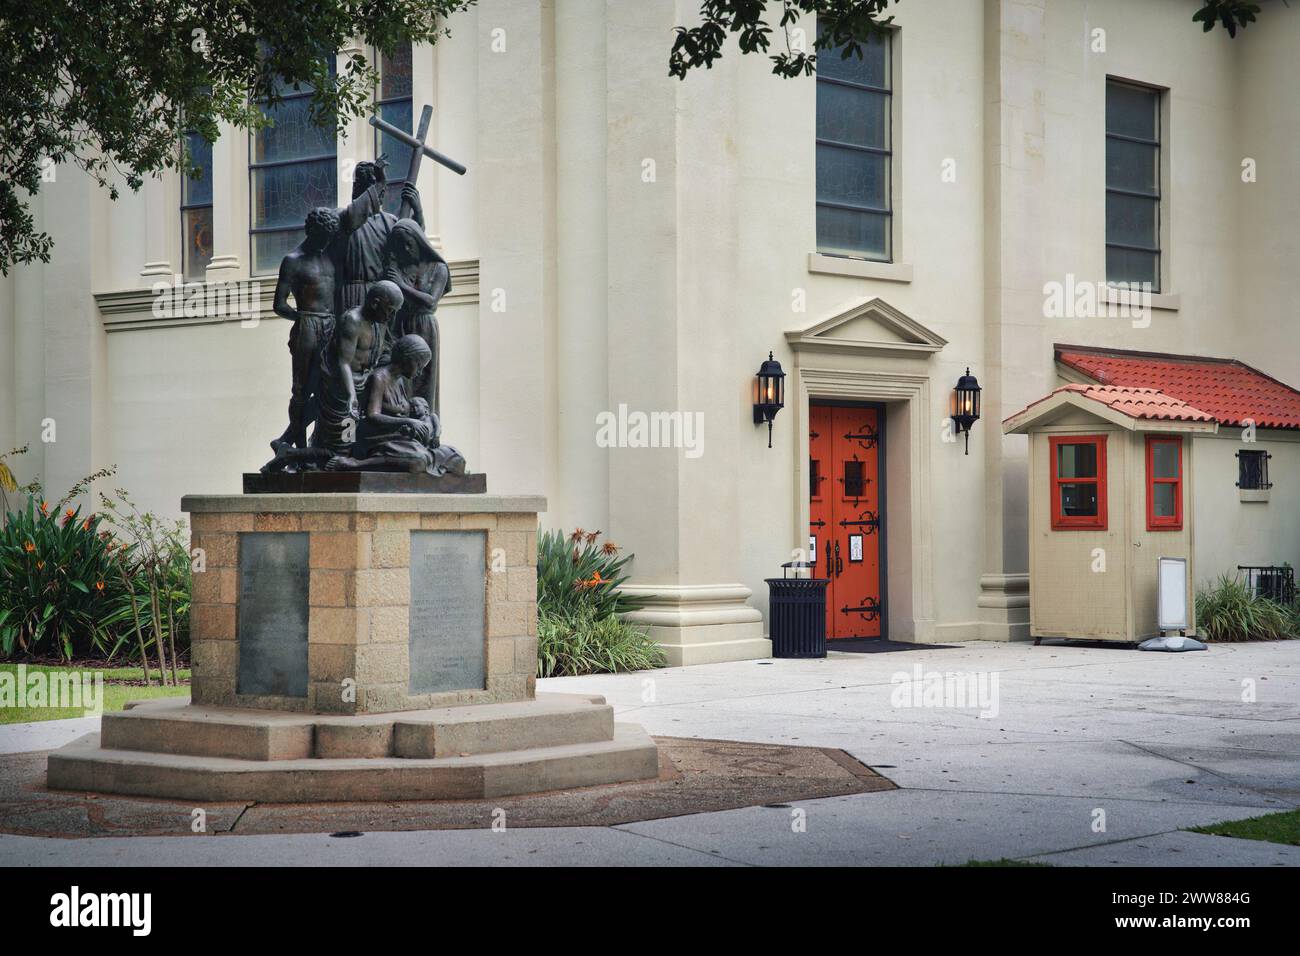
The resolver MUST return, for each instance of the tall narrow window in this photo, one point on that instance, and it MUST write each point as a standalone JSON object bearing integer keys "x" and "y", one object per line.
{"x": 292, "y": 169}
{"x": 196, "y": 210}
{"x": 393, "y": 104}
{"x": 853, "y": 152}
{"x": 1132, "y": 184}
{"x": 1164, "y": 483}
{"x": 1078, "y": 482}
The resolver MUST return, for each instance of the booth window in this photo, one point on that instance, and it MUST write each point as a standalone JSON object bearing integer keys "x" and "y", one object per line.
{"x": 1252, "y": 470}
{"x": 1078, "y": 482}
{"x": 1164, "y": 484}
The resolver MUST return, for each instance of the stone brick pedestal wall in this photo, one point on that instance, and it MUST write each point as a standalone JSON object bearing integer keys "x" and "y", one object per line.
{"x": 356, "y": 621}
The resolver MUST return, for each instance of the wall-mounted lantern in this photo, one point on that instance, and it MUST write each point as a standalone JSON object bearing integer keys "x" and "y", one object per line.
{"x": 769, "y": 394}
{"x": 966, "y": 405}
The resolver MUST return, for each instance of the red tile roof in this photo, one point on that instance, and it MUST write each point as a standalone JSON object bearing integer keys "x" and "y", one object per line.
{"x": 1144, "y": 403}
{"x": 1226, "y": 389}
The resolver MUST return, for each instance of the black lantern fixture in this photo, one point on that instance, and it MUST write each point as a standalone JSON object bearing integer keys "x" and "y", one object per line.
{"x": 966, "y": 407}
{"x": 769, "y": 394}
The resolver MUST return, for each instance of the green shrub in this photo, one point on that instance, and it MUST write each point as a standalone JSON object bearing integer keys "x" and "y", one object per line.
{"x": 582, "y": 642}
{"x": 1229, "y": 611}
{"x": 575, "y": 572}
{"x": 59, "y": 588}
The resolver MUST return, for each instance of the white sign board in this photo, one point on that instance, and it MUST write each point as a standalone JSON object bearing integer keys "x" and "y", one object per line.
{"x": 1171, "y": 582}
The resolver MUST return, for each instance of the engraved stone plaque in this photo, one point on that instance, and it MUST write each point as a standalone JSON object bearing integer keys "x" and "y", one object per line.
{"x": 448, "y": 605}
{"x": 273, "y": 589}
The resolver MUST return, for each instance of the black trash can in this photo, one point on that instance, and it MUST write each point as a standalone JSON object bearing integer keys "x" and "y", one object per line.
{"x": 798, "y": 613}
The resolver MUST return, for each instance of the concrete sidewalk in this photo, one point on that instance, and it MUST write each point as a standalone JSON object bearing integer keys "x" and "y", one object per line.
{"x": 1089, "y": 756}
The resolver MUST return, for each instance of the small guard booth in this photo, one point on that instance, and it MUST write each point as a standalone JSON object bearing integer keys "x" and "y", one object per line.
{"x": 1110, "y": 495}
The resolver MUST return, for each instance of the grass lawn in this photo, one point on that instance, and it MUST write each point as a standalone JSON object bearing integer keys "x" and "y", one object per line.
{"x": 117, "y": 691}
{"x": 1281, "y": 827}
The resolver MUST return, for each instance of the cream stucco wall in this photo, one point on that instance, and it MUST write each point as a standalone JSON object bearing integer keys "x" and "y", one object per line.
{"x": 623, "y": 238}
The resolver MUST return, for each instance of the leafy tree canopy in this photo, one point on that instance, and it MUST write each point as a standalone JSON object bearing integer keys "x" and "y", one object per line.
{"x": 112, "y": 86}
{"x": 842, "y": 23}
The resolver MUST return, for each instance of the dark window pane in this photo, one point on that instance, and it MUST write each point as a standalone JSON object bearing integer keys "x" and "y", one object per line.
{"x": 197, "y": 226}
{"x": 1079, "y": 500}
{"x": 294, "y": 135}
{"x": 852, "y": 176}
{"x": 847, "y": 115}
{"x": 398, "y": 153}
{"x": 1133, "y": 266}
{"x": 1252, "y": 469}
{"x": 1163, "y": 504}
{"x": 395, "y": 73}
{"x": 1076, "y": 461}
{"x": 198, "y": 190}
{"x": 853, "y": 484}
{"x": 1131, "y": 220}
{"x": 1164, "y": 459}
{"x": 872, "y": 69}
{"x": 1131, "y": 166}
{"x": 283, "y": 195}
{"x": 270, "y": 247}
{"x": 1131, "y": 111}
{"x": 851, "y": 233}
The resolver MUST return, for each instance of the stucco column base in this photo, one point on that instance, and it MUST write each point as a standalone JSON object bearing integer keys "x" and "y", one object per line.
{"x": 1004, "y": 607}
{"x": 701, "y": 623}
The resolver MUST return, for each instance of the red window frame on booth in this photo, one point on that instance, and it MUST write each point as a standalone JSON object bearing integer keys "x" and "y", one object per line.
{"x": 1172, "y": 522}
{"x": 1060, "y": 520}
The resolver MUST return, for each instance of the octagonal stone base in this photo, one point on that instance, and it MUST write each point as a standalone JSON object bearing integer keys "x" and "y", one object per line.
{"x": 313, "y": 603}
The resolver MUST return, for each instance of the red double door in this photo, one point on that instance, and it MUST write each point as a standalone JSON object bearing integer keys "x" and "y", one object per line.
{"x": 845, "y": 523}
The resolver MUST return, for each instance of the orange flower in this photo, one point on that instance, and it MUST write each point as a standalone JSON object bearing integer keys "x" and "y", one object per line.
{"x": 592, "y": 536}
{"x": 85, "y": 525}
{"x": 29, "y": 547}
{"x": 68, "y": 515}
{"x": 578, "y": 535}
{"x": 594, "y": 581}
{"x": 99, "y": 585}
{"x": 45, "y": 507}
{"x": 40, "y": 565}
{"x": 609, "y": 547}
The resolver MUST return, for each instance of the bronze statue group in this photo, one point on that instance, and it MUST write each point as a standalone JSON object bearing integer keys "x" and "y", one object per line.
{"x": 364, "y": 342}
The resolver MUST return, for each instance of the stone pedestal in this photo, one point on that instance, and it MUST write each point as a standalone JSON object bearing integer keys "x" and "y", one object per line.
{"x": 360, "y": 646}
{"x": 359, "y": 603}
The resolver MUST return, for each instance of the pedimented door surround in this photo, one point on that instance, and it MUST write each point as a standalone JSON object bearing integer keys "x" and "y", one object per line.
{"x": 871, "y": 352}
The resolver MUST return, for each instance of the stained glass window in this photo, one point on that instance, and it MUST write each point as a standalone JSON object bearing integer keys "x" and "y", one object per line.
{"x": 292, "y": 169}
{"x": 854, "y": 98}
{"x": 1132, "y": 184}
{"x": 196, "y": 210}
{"x": 393, "y": 104}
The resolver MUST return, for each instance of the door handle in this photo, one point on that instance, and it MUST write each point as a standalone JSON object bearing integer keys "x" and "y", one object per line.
{"x": 839, "y": 563}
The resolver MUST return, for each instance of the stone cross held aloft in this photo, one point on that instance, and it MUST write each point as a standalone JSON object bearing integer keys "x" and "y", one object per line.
{"x": 418, "y": 146}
